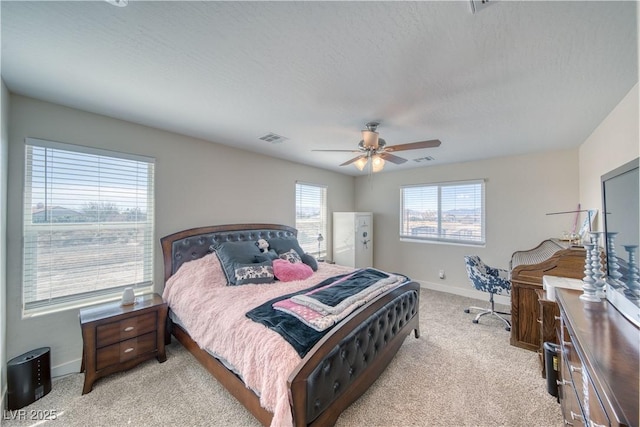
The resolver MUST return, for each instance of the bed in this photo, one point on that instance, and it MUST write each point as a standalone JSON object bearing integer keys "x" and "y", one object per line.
{"x": 312, "y": 389}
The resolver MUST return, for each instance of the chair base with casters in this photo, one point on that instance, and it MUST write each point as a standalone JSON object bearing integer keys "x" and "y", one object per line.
{"x": 491, "y": 280}
{"x": 492, "y": 311}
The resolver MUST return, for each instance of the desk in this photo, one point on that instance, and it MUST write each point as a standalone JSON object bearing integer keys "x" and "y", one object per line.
{"x": 527, "y": 270}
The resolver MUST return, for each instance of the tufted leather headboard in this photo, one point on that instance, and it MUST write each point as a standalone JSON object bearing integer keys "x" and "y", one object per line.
{"x": 187, "y": 245}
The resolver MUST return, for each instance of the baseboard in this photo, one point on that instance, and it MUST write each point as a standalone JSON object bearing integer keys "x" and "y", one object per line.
{"x": 464, "y": 292}
{"x": 71, "y": 367}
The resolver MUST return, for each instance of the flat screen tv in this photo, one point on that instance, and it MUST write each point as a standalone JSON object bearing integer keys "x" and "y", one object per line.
{"x": 621, "y": 207}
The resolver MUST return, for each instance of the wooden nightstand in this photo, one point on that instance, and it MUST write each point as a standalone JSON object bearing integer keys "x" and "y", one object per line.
{"x": 117, "y": 338}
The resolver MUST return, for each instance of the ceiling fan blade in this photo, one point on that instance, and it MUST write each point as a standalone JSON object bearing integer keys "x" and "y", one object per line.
{"x": 348, "y": 162}
{"x": 393, "y": 159}
{"x": 339, "y": 151}
{"x": 414, "y": 145}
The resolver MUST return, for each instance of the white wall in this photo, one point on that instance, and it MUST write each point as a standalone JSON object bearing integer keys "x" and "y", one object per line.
{"x": 613, "y": 143}
{"x": 197, "y": 183}
{"x": 520, "y": 191}
{"x": 4, "y": 144}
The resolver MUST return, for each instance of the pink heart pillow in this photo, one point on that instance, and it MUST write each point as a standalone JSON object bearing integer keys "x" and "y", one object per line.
{"x": 287, "y": 272}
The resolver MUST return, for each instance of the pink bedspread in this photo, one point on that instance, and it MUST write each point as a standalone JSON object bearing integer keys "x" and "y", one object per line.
{"x": 214, "y": 316}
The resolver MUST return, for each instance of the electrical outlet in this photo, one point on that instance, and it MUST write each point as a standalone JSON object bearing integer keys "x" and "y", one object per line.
{"x": 441, "y": 274}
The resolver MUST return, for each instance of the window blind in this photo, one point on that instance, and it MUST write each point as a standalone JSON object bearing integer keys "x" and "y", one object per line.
{"x": 311, "y": 218}
{"x": 88, "y": 224}
{"x": 447, "y": 212}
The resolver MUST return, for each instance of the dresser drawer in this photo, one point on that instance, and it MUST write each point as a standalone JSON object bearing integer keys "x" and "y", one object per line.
{"x": 125, "y": 329}
{"x": 597, "y": 415}
{"x": 573, "y": 369}
{"x": 570, "y": 397}
{"x": 587, "y": 404}
{"x": 571, "y": 410}
{"x": 125, "y": 350}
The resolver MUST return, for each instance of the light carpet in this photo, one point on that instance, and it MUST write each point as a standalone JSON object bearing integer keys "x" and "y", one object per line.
{"x": 456, "y": 374}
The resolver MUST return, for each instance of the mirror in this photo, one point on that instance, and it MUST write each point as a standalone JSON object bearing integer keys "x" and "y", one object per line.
{"x": 621, "y": 206}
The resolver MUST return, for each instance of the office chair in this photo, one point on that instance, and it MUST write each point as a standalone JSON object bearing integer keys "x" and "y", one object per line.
{"x": 491, "y": 280}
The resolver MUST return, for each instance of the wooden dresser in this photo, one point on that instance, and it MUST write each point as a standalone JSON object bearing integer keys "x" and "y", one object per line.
{"x": 116, "y": 337}
{"x": 598, "y": 365}
{"x": 553, "y": 258}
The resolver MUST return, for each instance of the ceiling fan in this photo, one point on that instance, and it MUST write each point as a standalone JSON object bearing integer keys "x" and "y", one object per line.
{"x": 374, "y": 148}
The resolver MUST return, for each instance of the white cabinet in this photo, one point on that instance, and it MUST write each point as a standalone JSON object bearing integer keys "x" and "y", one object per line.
{"x": 353, "y": 239}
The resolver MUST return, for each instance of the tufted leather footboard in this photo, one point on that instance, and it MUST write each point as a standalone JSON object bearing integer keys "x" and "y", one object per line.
{"x": 346, "y": 365}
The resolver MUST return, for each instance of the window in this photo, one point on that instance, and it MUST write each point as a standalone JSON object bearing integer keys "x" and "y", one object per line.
{"x": 88, "y": 225}
{"x": 445, "y": 212}
{"x": 311, "y": 218}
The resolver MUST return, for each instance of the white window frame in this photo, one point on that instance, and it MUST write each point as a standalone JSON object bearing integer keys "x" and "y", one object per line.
{"x": 90, "y": 282}
{"x": 308, "y": 238}
{"x": 441, "y": 229}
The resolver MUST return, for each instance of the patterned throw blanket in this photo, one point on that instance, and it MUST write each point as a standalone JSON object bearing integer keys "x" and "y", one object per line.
{"x": 304, "y": 317}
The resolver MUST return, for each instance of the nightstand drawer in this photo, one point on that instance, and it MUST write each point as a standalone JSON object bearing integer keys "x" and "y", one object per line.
{"x": 125, "y": 350}
{"x": 125, "y": 329}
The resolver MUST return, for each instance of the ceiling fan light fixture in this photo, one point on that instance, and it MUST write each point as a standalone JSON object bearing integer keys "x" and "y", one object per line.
{"x": 375, "y": 148}
{"x": 360, "y": 163}
{"x": 370, "y": 139}
{"x": 377, "y": 163}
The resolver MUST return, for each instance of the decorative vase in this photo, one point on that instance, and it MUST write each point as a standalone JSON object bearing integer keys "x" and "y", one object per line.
{"x": 128, "y": 297}
{"x": 596, "y": 265}
{"x": 612, "y": 260}
{"x": 632, "y": 290}
{"x": 588, "y": 288}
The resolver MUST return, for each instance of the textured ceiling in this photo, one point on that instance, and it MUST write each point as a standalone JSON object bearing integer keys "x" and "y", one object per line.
{"x": 513, "y": 78}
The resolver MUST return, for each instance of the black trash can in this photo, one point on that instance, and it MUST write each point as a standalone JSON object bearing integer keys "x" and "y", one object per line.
{"x": 28, "y": 377}
{"x": 551, "y": 362}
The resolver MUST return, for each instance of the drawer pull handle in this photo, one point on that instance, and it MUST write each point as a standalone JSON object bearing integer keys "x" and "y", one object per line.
{"x": 574, "y": 368}
{"x": 129, "y": 328}
{"x": 557, "y": 317}
{"x": 129, "y": 350}
{"x": 592, "y": 424}
{"x": 563, "y": 382}
{"x": 567, "y": 423}
{"x": 575, "y": 416}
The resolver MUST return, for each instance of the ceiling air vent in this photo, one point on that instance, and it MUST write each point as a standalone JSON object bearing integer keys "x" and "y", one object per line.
{"x": 424, "y": 159}
{"x": 118, "y": 3}
{"x": 478, "y": 5}
{"x": 273, "y": 138}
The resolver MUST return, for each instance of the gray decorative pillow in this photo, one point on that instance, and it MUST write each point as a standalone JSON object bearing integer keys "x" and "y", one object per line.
{"x": 231, "y": 254}
{"x": 291, "y": 256}
{"x": 266, "y": 256}
{"x": 310, "y": 261}
{"x": 254, "y": 273}
{"x": 282, "y": 245}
